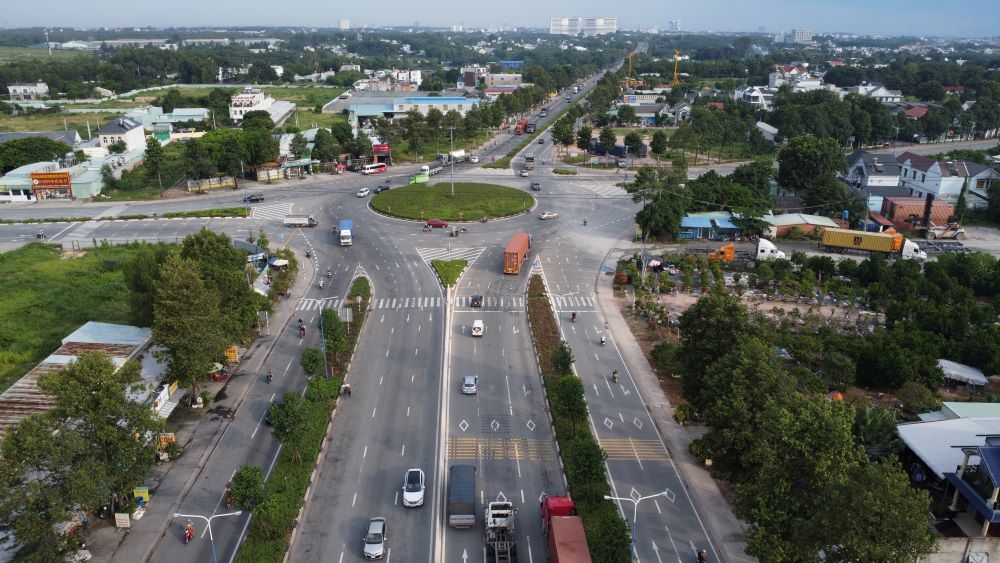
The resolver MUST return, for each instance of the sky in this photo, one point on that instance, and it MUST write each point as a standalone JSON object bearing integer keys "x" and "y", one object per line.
{"x": 964, "y": 18}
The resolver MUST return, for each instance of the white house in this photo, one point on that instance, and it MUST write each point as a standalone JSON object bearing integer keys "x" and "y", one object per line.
{"x": 20, "y": 92}
{"x": 123, "y": 129}
{"x": 757, "y": 96}
{"x": 880, "y": 93}
{"x": 253, "y": 99}
{"x": 921, "y": 176}
{"x": 874, "y": 177}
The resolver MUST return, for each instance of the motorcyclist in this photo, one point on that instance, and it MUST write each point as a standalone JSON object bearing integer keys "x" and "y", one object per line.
{"x": 614, "y": 376}
{"x": 300, "y": 323}
{"x": 702, "y": 555}
{"x": 229, "y": 496}
{"x": 269, "y": 376}
{"x": 573, "y": 316}
{"x": 188, "y": 531}
{"x": 603, "y": 339}
{"x": 584, "y": 222}
{"x": 329, "y": 272}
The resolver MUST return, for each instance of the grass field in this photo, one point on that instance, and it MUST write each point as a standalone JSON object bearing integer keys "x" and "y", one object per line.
{"x": 47, "y": 296}
{"x": 134, "y": 185}
{"x": 434, "y": 201}
{"x": 11, "y": 54}
{"x": 449, "y": 270}
{"x": 57, "y": 122}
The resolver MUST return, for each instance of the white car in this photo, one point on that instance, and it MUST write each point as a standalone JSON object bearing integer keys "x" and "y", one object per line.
{"x": 474, "y": 159}
{"x": 363, "y": 192}
{"x": 413, "y": 488}
{"x": 477, "y": 328}
{"x": 524, "y": 172}
{"x": 548, "y": 215}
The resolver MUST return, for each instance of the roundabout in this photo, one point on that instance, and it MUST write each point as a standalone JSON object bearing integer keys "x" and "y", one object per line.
{"x": 471, "y": 202}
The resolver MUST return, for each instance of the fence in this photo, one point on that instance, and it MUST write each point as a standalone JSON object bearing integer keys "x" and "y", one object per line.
{"x": 211, "y": 184}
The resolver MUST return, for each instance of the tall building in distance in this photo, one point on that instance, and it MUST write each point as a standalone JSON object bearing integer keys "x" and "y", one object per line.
{"x": 674, "y": 26}
{"x": 794, "y": 36}
{"x": 582, "y": 26}
{"x": 344, "y": 24}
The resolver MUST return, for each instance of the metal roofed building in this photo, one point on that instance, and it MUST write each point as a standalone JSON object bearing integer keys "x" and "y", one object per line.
{"x": 120, "y": 342}
{"x": 364, "y": 108}
{"x": 71, "y": 138}
{"x": 154, "y": 118}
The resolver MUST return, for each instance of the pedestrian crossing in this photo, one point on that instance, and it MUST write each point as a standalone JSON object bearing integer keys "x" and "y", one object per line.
{"x": 573, "y": 302}
{"x": 272, "y": 211}
{"x": 491, "y": 303}
{"x": 467, "y": 448}
{"x": 468, "y": 254}
{"x": 626, "y": 449}
{"x": 378, "y": 303}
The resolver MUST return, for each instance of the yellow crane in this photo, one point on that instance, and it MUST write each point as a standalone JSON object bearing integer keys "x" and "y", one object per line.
{"x": 630, "y": 82}
{"x": 677, "y": 58}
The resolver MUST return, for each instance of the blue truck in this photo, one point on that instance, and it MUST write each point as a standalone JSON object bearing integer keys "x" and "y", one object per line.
{"x": 346, "y": 232}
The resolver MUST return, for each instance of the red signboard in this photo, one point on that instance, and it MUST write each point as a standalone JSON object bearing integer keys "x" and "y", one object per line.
{"x": 381, "y": 149}
{"x": 50, "y": 179}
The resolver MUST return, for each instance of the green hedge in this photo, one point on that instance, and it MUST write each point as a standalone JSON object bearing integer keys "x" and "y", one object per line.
{"x": 274, "y": 519}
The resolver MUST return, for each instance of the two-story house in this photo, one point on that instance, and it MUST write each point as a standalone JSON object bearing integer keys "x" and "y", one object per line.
{"x": 123, "y": 129}
{"x": 21, "y": 92}
{"x": 921, "y": 176}
{"x": 874, "y": 177}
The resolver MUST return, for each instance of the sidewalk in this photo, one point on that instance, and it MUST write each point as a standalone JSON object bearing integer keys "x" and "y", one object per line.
{"x": 170, "y": 482}
{"x": 724, "y": 529}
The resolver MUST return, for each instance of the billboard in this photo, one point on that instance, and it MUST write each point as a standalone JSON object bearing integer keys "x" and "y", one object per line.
{"x": 381, "y": 149}
{"x": 50, "y": 180}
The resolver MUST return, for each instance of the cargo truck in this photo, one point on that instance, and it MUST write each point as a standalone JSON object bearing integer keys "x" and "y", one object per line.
{"x": 300, "y": 221}
{"x": 531, "y": 127}
{"x": 501, "y": 543}
{"x": 421, "y": 178}
{"x": 432, "y": 169}
{"x": 453, "y": 157}
{"x": 544, "y": 112}
{"x": 515, "y": 253}
{"x": 346, "y": 232}
{"x": 887, "y": 242}
{"x": 567, "y": 541}
{"x": 521, "y": 126}
{"x": 462, "y": 496}
{"x": 529, "y": 161}
{"x": 765, "y": 251}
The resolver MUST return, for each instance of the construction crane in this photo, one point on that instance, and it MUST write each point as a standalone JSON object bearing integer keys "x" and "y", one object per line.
{"x": 630, "y": 82}
{"x": 677, "y": 58}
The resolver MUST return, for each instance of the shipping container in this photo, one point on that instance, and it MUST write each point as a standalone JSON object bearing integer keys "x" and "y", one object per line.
{"x": 860, "y": 240}
{"x": 567, "y": 540}
{"x": 516, "y": 252}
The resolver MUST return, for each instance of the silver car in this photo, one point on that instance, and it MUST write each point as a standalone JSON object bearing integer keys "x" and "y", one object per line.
{"x": 470, "y": 385}
{"x": 413, "y": 488}
{"x": 375, "y": 538}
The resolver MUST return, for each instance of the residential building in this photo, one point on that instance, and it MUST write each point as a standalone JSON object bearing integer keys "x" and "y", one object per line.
{"x": 37, "y": 91}
{"x": 350, "y": 67}
{"x": 921, "y": 176}
{"x": 138, "y": 43}
{"x": 314, "y": 77}
{"x": 681, "y": 112}
{"x": 366, "y": 106}
{"x": 71, "y": 138}
{"x": 504, "y": 79}
{"x": 123, "y": 129}
{"x": 582, "y": 26}
{"x": 344, "y": 24}
{"x": 906, "y": 213}
{"x": 758, "y": 96}
{"x": 874, "y": 177}
{"x": 769, "y": 131}
{"x": 253, "y": 99}
{"x": 782, "y": 225}
{"x": 880, "y": 93}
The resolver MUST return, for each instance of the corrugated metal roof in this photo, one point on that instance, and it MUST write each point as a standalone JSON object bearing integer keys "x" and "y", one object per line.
{"x": 937, "y": 443}
{"x": 696, "y": 222}
{"x": 957, "y": 409}
{"x": 787, "y": 219}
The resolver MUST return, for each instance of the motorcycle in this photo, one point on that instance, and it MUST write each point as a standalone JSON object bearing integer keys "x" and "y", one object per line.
{"x": 229, "y": 498}
{"x": 188, "y": 533}
{"x": 427, "y": 229}
{"x": 463, "y": 230}
{"x": 309, "y": 254}
{"x": 329, "y": 272}
{"x": 302, "y": 332}
{"x": 269, "y": 377}
{"x": 573, "y": 317}
{"x": 614, "y": 376}
{"x": 483, "y": 220}
{"x": 603, "y": 340}
{"x": 584, "y": 222}
{"x": 321, "y": 284}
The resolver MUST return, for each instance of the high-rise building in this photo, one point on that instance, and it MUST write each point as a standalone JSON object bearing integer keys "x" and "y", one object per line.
{"x": 345, "y": 24}
{"x": 582, "y": 26}
{"x": 801, "y": 36}
{"x": 674, "y": 25}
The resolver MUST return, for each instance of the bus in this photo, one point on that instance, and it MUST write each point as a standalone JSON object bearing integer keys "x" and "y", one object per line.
{"x": 376, "y": 168}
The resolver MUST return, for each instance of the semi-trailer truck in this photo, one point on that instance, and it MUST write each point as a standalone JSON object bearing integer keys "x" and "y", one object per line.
{"x": 567, "y": 540}
{"x": 515, "y": 253}
{"x": 346, "y": 232}
{"x": 887, "y": 242}
{"x": 300, "y": 221}
{"x": 462, "y": 496}
{"x": 501, "y": 543}
{"x": 521, "y": 126}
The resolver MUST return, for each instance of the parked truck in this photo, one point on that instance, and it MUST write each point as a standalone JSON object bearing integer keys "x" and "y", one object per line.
{"x": 887, "y": 242}
{"x": 765, "y": 251}
{"x": 516, "y": 252}
{"x": 462, "y": 496}
{"x": 567, "y": 541}
{"x": 501, "y": 543}
{"x": 453, "y": 157}
{"x": 300, "y": 221}
{"x": 346, "y": 232}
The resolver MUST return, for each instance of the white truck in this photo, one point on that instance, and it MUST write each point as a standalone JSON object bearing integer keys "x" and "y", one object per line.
{"x": 300, "y": 221}
{"x": 501, "y": 543}
{"x": 346, "y": 232}
{"x": 453, "y": 157}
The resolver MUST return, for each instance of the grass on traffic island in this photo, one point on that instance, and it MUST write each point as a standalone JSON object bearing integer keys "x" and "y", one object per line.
{"x": 219, "y": 212}
{"x": 275, "y": 518}
{"x": 471, "y": 201}
{"x": 448, "y": 271}
{"x": 564, "y": 171}
{"x": 583, "y": 458}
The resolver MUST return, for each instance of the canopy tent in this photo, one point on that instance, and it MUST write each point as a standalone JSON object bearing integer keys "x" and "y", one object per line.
{"x": 962, "y": 372}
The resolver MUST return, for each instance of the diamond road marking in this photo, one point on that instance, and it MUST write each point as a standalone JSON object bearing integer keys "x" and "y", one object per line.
{"x": 531, "y": 425}
{"x": 609, "y": 423}
{"x": 669, "y": 494}
{"x": 501, "y": 497}
{"x": 634, "y": 495}
{"x": 495, "y": 425}
{"x": 463, "y": 425}
{"x": 637, "y": 423}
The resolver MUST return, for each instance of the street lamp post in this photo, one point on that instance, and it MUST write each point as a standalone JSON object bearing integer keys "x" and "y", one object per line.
{"x": 208, "y": 522}
{"x": 635, "y": 511}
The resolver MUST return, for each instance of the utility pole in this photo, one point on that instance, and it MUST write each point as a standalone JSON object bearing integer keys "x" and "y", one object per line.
{"x": 972, "y": 134}
{"x": 895, "y": 137}
{"x": 451, "y": 157}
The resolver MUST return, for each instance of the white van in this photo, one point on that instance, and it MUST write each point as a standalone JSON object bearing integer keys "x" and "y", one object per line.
{"x": 477, "y": 328}
{"x": 425, "y": 169}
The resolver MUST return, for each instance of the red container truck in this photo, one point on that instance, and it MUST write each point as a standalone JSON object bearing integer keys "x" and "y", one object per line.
{"x": 515, "y": 253}
{"x": 566, "y": 539}
{"x": 522, "y": 126}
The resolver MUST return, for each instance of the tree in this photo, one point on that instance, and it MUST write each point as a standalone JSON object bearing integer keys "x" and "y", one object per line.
{"x": 584, "y": 137}
{"x": 259, "y": 146}
{"x": 716, "y": 318}
{"x": 757, "y": 176}
{"x": 665, "y": 200}
{"x": 257, "y": 119}
{"x": 288, "y": 420}
{"x": 562, "y": 133}
{"x": 299, "y": 146}
{"x": 324, "y": 149}
{"x": 19, "y": 152}
{"x": 585, "y": 468}
{"x": 312, "y": 361}
{"x": 333, "y": 331}
{"x": 607, "y": 138}
{"x": 92, "y": 448}
{"x": 117, "y": 147}
{"x": 658, "y": 144}
{"x": 875, "y": 431}
{"x": 187, "y": 322}
{"x": 415, "y": 130}
{"x": 626, "y": 114}
{"x": 806, "y": 158}
{"x": 562, "y": 359}
{"x": 247, "y": 486}
{"x": 142, "y": 274}
{"x": 567, "y": 402}
{"x": 153, "y": 160}
{"x": 633, "y": 141}
{"x": 930, "y": 91}
{"x": 197, "y": 164}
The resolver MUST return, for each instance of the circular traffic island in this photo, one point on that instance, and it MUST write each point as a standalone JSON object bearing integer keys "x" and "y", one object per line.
{"x": 471, "y": 201}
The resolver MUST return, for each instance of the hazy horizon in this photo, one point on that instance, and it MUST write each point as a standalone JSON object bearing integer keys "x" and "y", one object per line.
{"x": 969, "y": 18}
